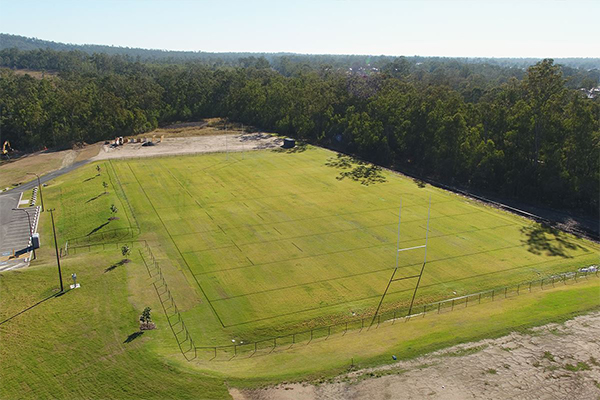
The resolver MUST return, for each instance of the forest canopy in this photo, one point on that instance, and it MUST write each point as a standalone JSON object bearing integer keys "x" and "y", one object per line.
{"x": 528, "y": 133}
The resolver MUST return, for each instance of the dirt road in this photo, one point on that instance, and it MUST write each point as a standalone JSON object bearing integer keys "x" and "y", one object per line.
{"x": 191, "y": 145}
{"x": 555, "y": 361}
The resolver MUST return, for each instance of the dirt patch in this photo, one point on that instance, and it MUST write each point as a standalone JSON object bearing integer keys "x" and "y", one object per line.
{"x": 191, "y": 145}
{"x": 16, "y": 171}
{"x": 555, "y": 361}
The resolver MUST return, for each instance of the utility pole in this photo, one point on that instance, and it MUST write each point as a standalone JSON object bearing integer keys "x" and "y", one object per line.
{"x": 40, "y": 186}
{"x": 30, "y": 229}
{"x": 56, "y": 249}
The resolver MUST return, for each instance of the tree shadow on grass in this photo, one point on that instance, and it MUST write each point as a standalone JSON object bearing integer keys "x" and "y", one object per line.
{"x": 544, "y": 239}
{"x": 96, "y": 229}
{"x": 93, "y": 177}
{"x": 94, "y": 198}
{"x": 358, "y": 170}
{"x": 114, "y": 266}
{"x": 133, "y": 336}
{"x": 421, "y": 184}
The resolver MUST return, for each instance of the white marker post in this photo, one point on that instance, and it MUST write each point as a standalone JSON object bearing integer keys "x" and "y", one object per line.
{"x": 75, "y": 285}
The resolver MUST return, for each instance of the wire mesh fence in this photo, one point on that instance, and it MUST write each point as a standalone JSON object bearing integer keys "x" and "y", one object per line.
{"x": 389, "y": 317}
{"x": 174, "y": 319}
{"x": 350, "y": 326}
{"x": 100, "y": 237}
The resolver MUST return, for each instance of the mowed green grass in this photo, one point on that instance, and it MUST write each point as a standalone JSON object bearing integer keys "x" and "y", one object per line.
{"x": 272, "y": 241}
{"x": 83, "y": 344}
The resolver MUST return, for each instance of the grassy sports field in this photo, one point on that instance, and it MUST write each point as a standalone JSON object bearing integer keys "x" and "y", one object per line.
{"x": 273, "y": 241}
{"x": 251, "y": 245}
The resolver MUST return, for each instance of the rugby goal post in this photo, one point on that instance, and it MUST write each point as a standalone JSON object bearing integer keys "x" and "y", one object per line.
{"x": 398, "y": 251}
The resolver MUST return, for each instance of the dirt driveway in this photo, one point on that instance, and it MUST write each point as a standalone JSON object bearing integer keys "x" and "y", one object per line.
{"x": 555, "y": 361}
{"x": 191, "y": 145}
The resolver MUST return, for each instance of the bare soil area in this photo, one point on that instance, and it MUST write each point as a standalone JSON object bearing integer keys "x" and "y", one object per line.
{"x": 191, "y": 145}
{"x": 555, "y": 361}
{"x": 15, "y": 171}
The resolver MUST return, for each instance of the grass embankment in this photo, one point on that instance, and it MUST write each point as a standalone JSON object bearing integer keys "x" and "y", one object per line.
{"x": 85, "y": 343}
{"x": 82, "y": 206}
{"x": 16, "y": 171}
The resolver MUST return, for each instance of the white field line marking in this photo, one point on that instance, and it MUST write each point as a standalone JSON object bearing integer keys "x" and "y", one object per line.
{"x": 411, "y": 248}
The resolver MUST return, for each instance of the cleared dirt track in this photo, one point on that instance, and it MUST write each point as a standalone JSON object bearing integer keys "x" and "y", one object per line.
{"x": 555, "y": 361}
{"x": 191, "y": 145}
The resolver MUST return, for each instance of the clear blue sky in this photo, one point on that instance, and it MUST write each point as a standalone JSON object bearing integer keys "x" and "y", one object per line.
{"x": 482, "y": 28}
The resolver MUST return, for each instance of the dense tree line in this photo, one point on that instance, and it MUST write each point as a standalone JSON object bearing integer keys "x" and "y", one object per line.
{"x": 8, "y": 41}
{"x": 524, "y": 134}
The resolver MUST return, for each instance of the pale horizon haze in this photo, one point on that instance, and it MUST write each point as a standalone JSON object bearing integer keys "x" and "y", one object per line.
{"x": 526, "y": 28}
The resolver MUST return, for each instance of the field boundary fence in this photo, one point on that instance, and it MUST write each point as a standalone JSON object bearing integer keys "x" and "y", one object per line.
{"x": 180, "y": 331}
{"x": 98, "y": 238}
{"x": 172, "y": 313}
{"x": 365, "y": 323}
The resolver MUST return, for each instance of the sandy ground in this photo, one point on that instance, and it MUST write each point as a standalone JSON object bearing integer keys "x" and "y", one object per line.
{"x": 191, "y": 145}
{"x": 555, "y": 361}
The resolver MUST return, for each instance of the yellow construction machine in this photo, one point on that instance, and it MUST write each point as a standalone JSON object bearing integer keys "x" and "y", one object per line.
{"x": 6, "y": 150}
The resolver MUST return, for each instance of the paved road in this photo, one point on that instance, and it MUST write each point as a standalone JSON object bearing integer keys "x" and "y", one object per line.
{"x": 45, "y": 178}
{"x": 14, "y": 226}
{"x": 7, "y": 203}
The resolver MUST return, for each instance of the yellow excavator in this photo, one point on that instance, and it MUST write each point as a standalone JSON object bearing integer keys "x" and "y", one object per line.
{"x": 6, "y": 150}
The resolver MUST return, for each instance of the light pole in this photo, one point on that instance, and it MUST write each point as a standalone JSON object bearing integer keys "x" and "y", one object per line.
{"x": 40, "y": 186}
{"x": 30, "y": 229}
{"x": 56, "y": 249}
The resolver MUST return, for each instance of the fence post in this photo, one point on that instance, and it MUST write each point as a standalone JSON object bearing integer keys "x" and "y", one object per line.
{"x": 294, "y": 336}
{"x": 393, "y": 319}
{"x": 378, "y": 319}
{"x": 518, "y": 288}
{"x": 439, "y": 306}
{"x": 362, "y": 323}
{"x": 235, "y": 349}
{"x": 452, "y": 309}
{"x": 505, "y": 290}
{"x": 492, "y": 294}
{"x": 255, "y": 346}
{"x": 466, "y": 301}
{"x": 553, "y": 282}
{"x": 346, "y": 327}
{"x": 530, "y": 286}
{"x": 479, "y": 298}
{"x": 311, "y": 334}
{"x": 215, "y": 352}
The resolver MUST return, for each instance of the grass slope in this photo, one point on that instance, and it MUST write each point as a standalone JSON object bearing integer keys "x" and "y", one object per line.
{"x": 76, "y": 345}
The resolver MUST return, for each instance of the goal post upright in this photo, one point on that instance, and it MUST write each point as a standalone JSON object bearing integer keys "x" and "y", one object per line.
{"x": 398, "y": 250}
{"x": 395, "y": 269}
{"x": 424, "y": 260}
